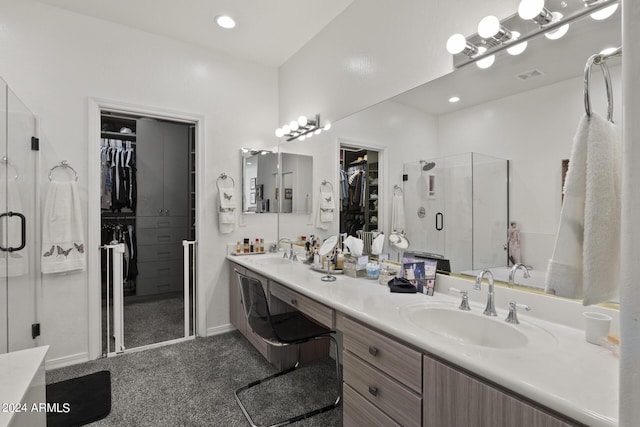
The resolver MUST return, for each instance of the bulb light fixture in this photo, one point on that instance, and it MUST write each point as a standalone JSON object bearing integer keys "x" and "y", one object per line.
{"x": 517, "y": 48}
{"x": 603, "y": 13}
{"x": 302, "y": 128}
{"x": 487, "y": 61}
{"x": 534, "y": 10}
{"x": 490, "y": 28}
{"x": 533, "y": 18}
{"x": 457, "y": 43}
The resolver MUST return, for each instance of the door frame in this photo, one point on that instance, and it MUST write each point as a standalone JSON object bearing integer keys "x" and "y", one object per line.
{"x": 95, "y": 106}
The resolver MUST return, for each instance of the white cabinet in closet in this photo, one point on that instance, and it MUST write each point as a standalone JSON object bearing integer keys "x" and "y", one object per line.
{"x": 163, "y": 203}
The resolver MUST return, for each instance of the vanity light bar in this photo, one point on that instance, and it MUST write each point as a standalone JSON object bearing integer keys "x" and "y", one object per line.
{"x": 302, "y": 128}
{"x": 512, "y": 33}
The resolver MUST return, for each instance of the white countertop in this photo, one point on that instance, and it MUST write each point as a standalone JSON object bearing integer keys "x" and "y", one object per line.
{"x": 17, "y": 371}
{"x": 566, "y": 374}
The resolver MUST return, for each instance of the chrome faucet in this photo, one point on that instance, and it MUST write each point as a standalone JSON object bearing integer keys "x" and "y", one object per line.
{"x": 512, "y": 273}
{"x": 490, "y": 310}
{"x": 292, "y": 255}
{"x": 284, "y": 239}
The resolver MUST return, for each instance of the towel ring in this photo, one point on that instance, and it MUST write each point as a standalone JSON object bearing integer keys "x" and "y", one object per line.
{"x": 223, "y": 177}
{"x": 65, "y": 165}
{"x": 5, "y": 160}
{"x": 598, "y": 59}
{"x": 398, "y": 188}
{"x": 327, "y": 183}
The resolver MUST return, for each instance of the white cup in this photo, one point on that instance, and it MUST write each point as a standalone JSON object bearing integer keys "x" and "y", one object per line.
{"x": 596, "y": 327}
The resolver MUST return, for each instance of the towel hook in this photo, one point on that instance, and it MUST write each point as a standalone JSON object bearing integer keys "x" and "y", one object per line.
{"x": 327, "y": 183}
{"x": 65, "y": 165}
{"x": 397, "y": 187}
{"x": 598, "y": 59}
{"x": 223, "y": 177}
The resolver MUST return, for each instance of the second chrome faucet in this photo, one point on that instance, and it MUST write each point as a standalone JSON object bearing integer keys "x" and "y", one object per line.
{"x": 490, "y": 309}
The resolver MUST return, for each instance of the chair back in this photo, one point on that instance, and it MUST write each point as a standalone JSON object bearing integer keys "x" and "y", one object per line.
{"x": 256, "y": 307}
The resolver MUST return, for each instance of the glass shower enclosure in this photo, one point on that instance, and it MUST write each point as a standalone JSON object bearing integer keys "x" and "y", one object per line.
{"x": 457, "y": 207}
{"x": 19, "y": 261}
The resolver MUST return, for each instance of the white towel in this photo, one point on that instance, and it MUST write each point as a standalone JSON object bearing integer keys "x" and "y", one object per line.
{"x": 15, "y": 263}
{"x": 326, "y": 208}
{"x": 226, "y": 209}
{"x": 586, "y": 257}
{"x": 397, "y": 214}
{"x": 63, "y": 246}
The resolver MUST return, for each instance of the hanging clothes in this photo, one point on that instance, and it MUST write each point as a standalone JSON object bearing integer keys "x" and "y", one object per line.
{"x": 119, "y": 180}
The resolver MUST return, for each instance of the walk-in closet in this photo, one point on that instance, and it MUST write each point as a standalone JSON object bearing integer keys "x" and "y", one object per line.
{"x": 359, "y": 189}
{"x": 147, "y": 206}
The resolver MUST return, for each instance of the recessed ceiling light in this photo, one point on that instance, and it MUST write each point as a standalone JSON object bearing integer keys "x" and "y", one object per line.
{"x": 225, "y": 21}
{"x": 454, "y": 99}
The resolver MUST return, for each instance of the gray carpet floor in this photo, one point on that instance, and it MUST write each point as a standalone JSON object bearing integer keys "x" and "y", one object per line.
{"x": 192, "y": 384}
{"x": 149, "y": 320}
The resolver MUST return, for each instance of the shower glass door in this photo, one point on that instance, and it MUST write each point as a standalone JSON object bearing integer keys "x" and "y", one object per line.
{"x": 18, "y": 225}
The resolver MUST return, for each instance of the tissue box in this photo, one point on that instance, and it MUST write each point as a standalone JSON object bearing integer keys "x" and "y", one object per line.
{"x": 355, "y": 266}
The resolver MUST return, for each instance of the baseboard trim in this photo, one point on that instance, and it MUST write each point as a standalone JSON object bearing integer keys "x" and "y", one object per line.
{"x": 222, "y": 329}
{"x": 61, "y": 362}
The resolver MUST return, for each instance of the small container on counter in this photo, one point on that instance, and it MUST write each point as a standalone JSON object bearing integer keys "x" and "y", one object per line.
{"x": 373, "y": 270}
{"x": 385, "y": 275}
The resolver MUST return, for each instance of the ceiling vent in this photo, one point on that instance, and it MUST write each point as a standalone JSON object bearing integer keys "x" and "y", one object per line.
{"x": 530, "y": 74}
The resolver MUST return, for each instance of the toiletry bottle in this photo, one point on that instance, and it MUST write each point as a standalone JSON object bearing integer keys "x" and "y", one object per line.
{"x": 238, "y": 247}
{"x": 251, "y": 247}
{"x": 246, "y": 246}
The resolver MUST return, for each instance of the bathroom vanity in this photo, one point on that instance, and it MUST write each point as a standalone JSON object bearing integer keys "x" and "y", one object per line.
{"x": 405, "y": 363}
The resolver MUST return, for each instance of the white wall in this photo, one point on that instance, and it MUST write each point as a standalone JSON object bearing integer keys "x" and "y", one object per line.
{"x": 376, "y": 49}
{"x": 55, "y": 60}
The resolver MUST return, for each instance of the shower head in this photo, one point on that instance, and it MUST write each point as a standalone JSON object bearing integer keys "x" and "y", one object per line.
{"x": 427, "y": 166}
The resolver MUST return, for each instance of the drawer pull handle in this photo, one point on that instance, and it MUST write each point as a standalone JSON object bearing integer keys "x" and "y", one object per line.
{"x": 294, "y": 301}
{"x": 373, "y": 390}
{"x": 373, "y": 351}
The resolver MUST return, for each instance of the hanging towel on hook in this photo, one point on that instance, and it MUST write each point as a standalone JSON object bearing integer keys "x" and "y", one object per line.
{"x": 226, "y": 208}
{"x": 586, "y": 256}
{"x": 326, "y": 208}
{"x": 397, "y": 212}
{"x": 63, "y": 246}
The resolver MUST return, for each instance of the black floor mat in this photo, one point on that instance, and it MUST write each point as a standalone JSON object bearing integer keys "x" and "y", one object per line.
{"x": 79, "y": 401}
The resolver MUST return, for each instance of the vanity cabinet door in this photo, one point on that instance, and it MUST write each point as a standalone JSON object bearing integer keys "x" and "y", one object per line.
{"x": 397, "y": 360}
{"x": 452, "y": 398}
{"x": 358, "y": 411}
{"x": 236, "y": 313}
{"x": 318, "y": 312}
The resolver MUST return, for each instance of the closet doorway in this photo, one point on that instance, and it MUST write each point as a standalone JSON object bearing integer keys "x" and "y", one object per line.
{"x": 147, "y": 230}
{"x": 359, "y": 175}
{"x": 362, "y": 199}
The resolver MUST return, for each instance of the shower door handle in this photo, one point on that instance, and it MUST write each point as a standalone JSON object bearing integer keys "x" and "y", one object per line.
{"x": 439, "y": 221}
{"x": 23, "y": 232}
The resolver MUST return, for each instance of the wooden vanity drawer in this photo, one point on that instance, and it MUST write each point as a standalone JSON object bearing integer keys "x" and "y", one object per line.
{"x": 397, "y": 360}
{"x": 393, "y": 398}
{"x": 358, "y": 411}
{"x": 318, "y": 312}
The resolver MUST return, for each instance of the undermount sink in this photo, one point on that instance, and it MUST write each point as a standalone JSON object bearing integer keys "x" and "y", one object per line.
{"x": 466, "y": 327}
{"x": 275, "y": 260}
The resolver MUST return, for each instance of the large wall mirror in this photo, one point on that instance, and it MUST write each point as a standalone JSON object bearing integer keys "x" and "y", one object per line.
{"x": 259, "y": 180}
{"x": 276, "y": 182}
{"x": 524, "y": 109}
